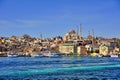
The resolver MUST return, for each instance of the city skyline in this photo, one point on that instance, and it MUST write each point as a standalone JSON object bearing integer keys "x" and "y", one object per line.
{"x": 56, "y": 17}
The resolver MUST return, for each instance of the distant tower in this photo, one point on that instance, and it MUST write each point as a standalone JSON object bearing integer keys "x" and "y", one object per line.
{"x": 80, "y": 31}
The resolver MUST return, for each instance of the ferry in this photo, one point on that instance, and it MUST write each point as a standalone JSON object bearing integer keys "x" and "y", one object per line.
{"x": 12, "y": 54}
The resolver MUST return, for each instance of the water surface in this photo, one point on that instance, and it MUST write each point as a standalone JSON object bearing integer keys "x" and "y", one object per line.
{"x": 67, "y": 68}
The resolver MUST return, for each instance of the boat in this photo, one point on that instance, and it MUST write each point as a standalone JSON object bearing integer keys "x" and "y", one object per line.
{"x": 114, "y": 55}
{"x": 12, "y": 54}
{"x": 50, "y": 54}
{"x": 99, "y": 55}
{"x": 36, "y": 54}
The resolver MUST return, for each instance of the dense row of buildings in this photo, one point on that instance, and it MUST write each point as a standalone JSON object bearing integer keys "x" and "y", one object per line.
{"x": 72, "y": 43}
{"x": 75, "y": 43}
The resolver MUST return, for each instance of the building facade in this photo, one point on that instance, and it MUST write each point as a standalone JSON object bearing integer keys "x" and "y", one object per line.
{"x": 68, "y": 48}
{"x": 81, "y": 50}
{"x": 104, "y": 50}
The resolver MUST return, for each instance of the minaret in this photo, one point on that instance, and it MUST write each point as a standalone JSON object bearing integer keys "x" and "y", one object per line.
{"x": 80, "y": 31}
{"x": 93, "y": 37}
{"x": 41, "y": 35}
{"x": 77, "y": 32}
{"x": 89, "y": 35}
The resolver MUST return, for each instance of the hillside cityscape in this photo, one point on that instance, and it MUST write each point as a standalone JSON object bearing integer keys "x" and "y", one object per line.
{"x": 59, "y": 39}
{"x": 72, "y": 43}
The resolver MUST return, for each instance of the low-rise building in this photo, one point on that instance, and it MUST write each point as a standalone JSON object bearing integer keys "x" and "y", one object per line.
{"x": 81, "y": 50}
{"x": 68, "y": 48}
{"x": 104, "y": 50}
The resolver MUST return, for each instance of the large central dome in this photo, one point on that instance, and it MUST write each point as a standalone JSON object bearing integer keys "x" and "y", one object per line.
{"x": 71, "y": 31}
{"x": 71, "y": 35}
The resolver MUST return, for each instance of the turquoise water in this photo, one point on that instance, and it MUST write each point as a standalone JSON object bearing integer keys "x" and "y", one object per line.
{"x": 67, "y": 68}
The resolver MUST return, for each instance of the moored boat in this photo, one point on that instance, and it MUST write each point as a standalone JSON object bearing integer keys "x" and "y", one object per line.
{"x": 50, "y": 54}
{"x": 114, "y": 55}
{"x": 36, "y": 54}
{"x": 99, "y": 55}
{"x": 12, "y": 55}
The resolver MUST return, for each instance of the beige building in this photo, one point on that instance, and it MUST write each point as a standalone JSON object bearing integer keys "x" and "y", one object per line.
{"x": 81, "y": 50}
{"x": 116, "y": 50}
{"x": 104, "y": 50}
{"x": 68, "y": 48}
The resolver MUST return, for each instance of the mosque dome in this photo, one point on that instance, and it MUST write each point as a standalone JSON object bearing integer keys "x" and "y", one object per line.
{"x": 71, "y": 31}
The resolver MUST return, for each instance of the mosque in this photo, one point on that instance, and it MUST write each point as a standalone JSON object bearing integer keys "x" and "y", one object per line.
{"x": 73, "y": 35}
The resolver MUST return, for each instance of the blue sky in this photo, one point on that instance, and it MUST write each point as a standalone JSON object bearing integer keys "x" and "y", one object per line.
{"x": 56, "y": 17}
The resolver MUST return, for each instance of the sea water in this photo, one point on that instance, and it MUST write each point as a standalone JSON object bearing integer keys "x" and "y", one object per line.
{"x": 64, "y": 68}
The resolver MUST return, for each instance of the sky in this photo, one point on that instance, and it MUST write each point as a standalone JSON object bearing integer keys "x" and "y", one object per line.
{"x": 56, "y": 17}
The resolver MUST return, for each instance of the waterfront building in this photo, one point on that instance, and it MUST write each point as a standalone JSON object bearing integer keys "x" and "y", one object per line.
{"x": 108, "y": 42}
{"x": 81, "y": 50}
{"x": 68, "y": 48}
{"x": 89, "y": 47}
{"x": 104, "y": 50}
{"x": 108, "y": 46}
{"x": 116, "y": 50}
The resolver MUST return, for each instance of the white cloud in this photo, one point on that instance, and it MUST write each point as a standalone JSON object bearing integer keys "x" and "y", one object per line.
{"x": 2, "y": 22}
{"x": 23, "y": 23}
{"x": 29, "y": 21}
